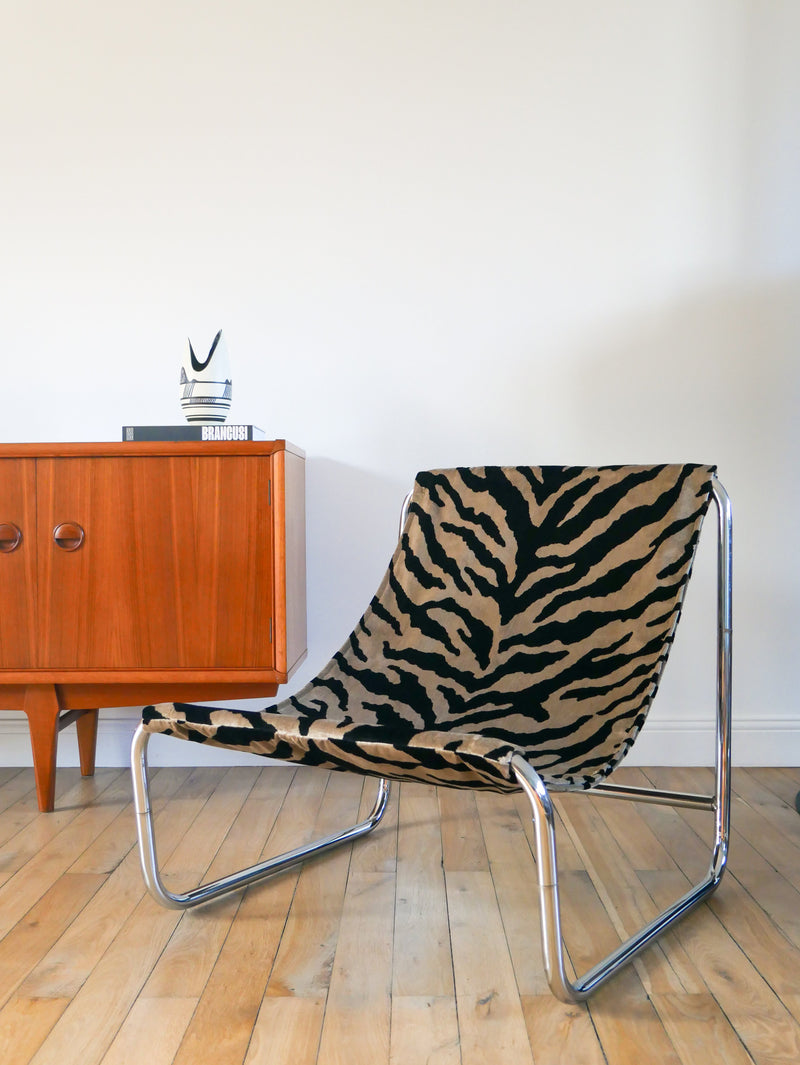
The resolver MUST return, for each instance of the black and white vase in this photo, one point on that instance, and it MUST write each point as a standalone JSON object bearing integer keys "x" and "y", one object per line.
{"x": 205, "y": 389}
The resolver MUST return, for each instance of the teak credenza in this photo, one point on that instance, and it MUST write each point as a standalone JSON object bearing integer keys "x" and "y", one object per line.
{"x": 133, "y": 573}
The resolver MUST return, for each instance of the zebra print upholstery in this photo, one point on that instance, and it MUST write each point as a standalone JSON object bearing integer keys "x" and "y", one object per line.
{"x": 525, "y": 609}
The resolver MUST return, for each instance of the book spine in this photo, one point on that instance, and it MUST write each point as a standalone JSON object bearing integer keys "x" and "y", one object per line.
{"x": 191, "y": 432}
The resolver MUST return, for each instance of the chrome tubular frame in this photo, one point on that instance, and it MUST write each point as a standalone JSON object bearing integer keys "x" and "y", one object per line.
{"x": 719, "y": 803}
{"x": 404, "y": 512}
{"x": 234, "y": 881}
{"x": 238, "y": 880}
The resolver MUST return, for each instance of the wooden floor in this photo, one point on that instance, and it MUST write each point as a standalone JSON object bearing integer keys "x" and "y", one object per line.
{"x": 418, "y": 945}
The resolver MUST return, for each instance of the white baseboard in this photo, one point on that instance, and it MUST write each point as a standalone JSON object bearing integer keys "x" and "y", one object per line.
{"x": 768, "y": 741}
{"x": 114, "y": 735}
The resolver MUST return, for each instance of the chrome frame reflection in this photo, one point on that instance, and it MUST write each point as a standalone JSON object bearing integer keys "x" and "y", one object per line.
{"x": 242, "y": 878}
{"x": 234, "y": 881}
{"x": 719, "y": 803}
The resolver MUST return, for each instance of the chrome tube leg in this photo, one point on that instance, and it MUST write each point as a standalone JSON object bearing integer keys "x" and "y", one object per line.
{"x": 724, "y": 676}
{"x": 550, "y": 908}
{"x": 544, "y": 819}
{"x": 235, "y": 881}
{"x": 547, "y": 874}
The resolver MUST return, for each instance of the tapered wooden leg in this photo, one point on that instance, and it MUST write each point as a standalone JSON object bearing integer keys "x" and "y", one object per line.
{"x": 86, "y": 726}
{"x": 42, "y": 709}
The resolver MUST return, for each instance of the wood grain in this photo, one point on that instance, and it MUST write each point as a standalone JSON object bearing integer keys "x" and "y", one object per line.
{"x": 187, "y": 581}
{"x": 424, "y": 1031}
{"x": 287, "y": 1031}
{"x": 154, "y": 1027}
{"x": 176, "y": 568}
{"x": 18, "y": 619}
{"x": 382, "y": 953}
{"x": 490, "y": 1017}
{"x": 358, "y": 1011}
{"x": 289, "y": 538}
{"x": 423, "y": 962}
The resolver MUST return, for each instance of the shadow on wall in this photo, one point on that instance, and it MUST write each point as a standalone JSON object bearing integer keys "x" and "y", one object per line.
{"x": 352, "y": 518}
{"x": 717, "y": 379}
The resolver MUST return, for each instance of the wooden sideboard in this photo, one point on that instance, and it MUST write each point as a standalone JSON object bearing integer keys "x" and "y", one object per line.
{"x": 133, "y": 573}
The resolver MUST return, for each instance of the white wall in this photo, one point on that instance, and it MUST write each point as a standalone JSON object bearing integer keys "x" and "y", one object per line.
{"x": 434, "y": 233}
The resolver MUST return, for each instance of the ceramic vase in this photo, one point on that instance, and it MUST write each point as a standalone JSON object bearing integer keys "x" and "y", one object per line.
{"x": 205, "y": 388}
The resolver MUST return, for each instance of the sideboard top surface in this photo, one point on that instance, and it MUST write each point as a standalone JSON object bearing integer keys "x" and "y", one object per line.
{"x": 137, "y": 448}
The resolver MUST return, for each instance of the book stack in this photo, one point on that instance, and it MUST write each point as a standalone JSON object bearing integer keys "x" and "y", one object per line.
{"x": 192, "y": 432}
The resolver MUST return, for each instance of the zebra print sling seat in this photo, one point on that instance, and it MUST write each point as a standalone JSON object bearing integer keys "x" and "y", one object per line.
{"x": 516, "y": 642}
{"x": 527, "y": 610}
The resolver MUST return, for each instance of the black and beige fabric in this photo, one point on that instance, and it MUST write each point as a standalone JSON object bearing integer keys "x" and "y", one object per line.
{"x": 516, "y": 641}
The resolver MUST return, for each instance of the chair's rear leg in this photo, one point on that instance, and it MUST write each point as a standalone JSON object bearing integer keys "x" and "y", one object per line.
{"x": 719, "y": 804}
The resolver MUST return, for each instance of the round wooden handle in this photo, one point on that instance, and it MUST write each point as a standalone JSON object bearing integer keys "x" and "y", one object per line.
{"x": 10, "y": 537}
{"x": 68, "y": 536}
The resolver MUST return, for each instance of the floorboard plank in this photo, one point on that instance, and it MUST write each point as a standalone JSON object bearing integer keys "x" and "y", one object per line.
{"x": 762, "y": 1022}
{"x": 490, "y": 1018}
{"x": 152, "y": 1031}
{"x": 305, "y": 958}
{"x": 418, "y": 944}
{"x": 287, "y": 1031}
{"x": 423, "y": 962}
{"x": 223, "y": 1023}
{"x": 25, "y": 1023}
{"x": 560, "y": 1034}
{"x": 358, "y": 1013}
{"x": 424, "y": 1031}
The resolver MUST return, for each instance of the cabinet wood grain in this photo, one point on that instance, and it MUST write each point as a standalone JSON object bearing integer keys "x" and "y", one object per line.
{"x": 18, "y": 566}
{"x": 146, "y": 572}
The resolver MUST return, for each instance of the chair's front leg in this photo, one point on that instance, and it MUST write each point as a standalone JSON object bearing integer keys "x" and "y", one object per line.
{"x": 547, "y": 873}
{"x": 237, "y": 880}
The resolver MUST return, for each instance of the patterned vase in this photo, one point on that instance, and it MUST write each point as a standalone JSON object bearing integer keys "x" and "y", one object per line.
{"x": 205, "y": 389}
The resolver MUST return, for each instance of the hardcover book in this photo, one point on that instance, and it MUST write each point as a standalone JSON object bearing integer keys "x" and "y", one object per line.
{"x": 192, "y": 432}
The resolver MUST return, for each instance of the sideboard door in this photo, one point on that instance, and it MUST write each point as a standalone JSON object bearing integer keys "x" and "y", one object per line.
{"x": 155, "y": 562}
{"x": 17, "y": 563}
